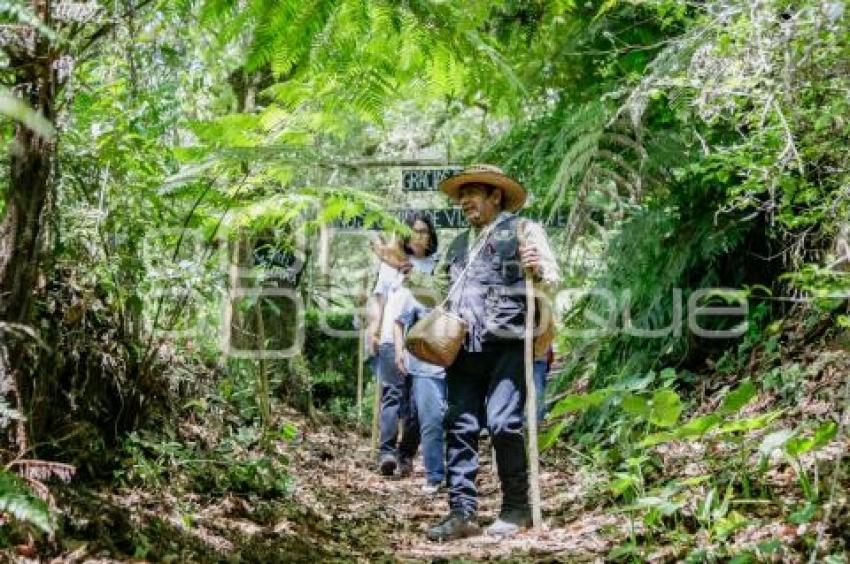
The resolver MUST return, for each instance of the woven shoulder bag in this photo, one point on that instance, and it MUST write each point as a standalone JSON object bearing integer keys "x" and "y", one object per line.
{"x": 438, "y": 337}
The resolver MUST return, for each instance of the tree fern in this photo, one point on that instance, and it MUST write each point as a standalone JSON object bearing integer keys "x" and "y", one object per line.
{"x": 575, "y": 160}
{"x": 321, "y": 47}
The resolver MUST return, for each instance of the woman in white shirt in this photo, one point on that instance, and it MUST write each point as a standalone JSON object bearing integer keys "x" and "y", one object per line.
{"x": 420, "y": 250}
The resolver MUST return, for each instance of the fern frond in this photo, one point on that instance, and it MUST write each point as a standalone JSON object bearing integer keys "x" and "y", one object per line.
{"x": 17, "y": 500}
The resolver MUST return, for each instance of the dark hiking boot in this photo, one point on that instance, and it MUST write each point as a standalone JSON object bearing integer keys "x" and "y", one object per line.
{"x": 386, "y": 465}
{"x": 510, "y": 522}
{"x": 405, "y": 468}
{"x": 457, "y": 525}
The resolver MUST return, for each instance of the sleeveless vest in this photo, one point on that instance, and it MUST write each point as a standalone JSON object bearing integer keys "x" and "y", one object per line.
{"x": 491, "y": 298}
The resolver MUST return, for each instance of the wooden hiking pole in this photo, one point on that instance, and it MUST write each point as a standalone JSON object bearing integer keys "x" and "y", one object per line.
{"x": 376, "y": 404}
{"x": 531, "y": 406}
{"x": 361, "y": 344}
{"x": 361, "y": 348}
{"x": 376, "y": 408}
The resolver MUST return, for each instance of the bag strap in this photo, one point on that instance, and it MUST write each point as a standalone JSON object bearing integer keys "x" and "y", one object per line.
{"x": 482, "y": 239}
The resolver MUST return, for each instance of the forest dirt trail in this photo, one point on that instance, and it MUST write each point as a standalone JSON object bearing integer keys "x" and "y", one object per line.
{"x": 336, "y": 478}
{"x": 338, "y": 509}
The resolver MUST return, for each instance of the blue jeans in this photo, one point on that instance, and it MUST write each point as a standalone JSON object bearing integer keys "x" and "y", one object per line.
{"x": 540, "y": 371}
{"x": 372, "y": 365}
{"x": 486, "y": 386}
{"x": 429, "y": 406}
{"x": 395, "y": 406}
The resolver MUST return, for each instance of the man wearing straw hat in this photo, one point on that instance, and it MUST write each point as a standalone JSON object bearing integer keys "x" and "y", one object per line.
{"x": 485, "y": 384}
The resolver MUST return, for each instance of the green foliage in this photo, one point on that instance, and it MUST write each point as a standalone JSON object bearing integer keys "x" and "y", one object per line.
{"x": 229, "y": 466}
{"x": 725, "y": 200}
{"x": 822, "y": 435}
{"x": 662, "y": 409}
{"x": 794, "y": 446}
{"x": 655, "y": 263}
{"x": 18, "y": 501}
{"x": 739, "y": 397}
{"x": 358, "y": 54}
{"x": 640, "y": 487}
{"x": 13, "y": 108}
{"x": 332, "y": 362}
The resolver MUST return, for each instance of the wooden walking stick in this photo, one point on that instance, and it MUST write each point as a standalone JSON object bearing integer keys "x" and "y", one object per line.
{"x": 531, "y": 406}
{"x": 361, "y": 349}
{"x": 376, "y": 404}
{"x": 361, "y": 344}
{"x": 376, "y": 408}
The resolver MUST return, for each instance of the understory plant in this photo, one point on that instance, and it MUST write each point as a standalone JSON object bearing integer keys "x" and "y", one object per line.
{"x": 726, "y": 457}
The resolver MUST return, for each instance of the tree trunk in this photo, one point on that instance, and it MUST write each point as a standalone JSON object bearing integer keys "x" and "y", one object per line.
{"x": 31, "y": 156}
{"x": 21, "y": 224}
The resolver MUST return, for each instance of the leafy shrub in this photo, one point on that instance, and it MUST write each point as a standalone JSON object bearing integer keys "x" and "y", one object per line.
{"x": 230, "y": 467}
{"x": 331, "y": 360}
{"x": 19, "y": 502}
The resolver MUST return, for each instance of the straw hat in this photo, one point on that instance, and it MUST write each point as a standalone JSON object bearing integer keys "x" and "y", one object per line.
{"x": 513, "y": 194}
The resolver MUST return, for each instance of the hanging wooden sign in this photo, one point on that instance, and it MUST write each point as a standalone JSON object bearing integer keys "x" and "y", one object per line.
{"x": 425, "y": 179}
{"x": 446, "y": 218}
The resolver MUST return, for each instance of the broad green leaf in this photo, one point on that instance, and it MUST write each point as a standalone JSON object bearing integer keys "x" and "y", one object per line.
{"x": 636, "y": 383}
{"x": 580, "y": 402}
{"x": 635, "y": 405}
{"x": 622, "y": 483}
{"x": 739, "y": 397}
{"x": 725, "y": 526}
{"x": 657, "y": 438}
{"x": 769, "y": 547}
{"x": 14, "y": 108}
{"x": 697, "y": 427}
{"x": 550, "y": 436}
{"x": 17, "y": 500}
{"x": 288, "y": 432}
{"x": 664, "y": 505}
{"x": 775, "y": 441}
{"x": 822, "y": 436}
{"x": 665, "y": 408}
{"x": 743, "y": 558}
{"x": 198, "y": 404}
{"x": 749, "y": 423}
{"x": 696, "y": 480}
{"x": 804, "y": 514}
{"x": 705, "y": 508}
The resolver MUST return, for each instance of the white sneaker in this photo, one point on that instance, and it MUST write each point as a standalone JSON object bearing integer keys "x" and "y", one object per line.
{"x": 430, "y": 488}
